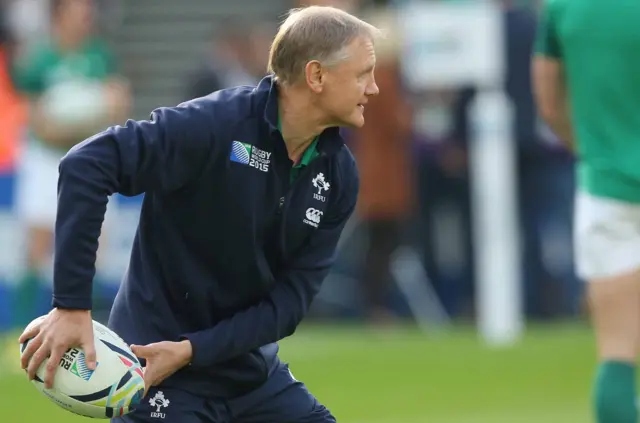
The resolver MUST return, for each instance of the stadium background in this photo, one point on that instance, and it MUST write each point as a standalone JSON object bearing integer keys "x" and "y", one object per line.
{"x": 367, "y": 360}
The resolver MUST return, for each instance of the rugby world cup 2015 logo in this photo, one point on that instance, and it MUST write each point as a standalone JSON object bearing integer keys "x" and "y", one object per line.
{"x": 247, "y": 154}
{"x": 240, "y": 152}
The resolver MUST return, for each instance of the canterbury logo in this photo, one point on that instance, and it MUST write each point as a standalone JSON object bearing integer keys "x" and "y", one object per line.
{"x": 313, "y": 217}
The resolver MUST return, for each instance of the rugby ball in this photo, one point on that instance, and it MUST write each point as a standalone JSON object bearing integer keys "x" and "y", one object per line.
{"x": 113, "y": 389}
{"x": 74, "y": 101}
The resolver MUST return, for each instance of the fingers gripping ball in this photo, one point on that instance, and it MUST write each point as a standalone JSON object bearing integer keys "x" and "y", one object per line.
{"x": 113, "y": 389}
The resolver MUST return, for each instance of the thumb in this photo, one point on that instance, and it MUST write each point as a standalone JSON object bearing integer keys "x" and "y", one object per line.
{"x": 142, "y": 351}
{"x": 149, "y": 376}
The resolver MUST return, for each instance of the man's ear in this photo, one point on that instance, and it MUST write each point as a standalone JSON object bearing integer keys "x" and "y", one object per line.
{"x": 314, "y": 76}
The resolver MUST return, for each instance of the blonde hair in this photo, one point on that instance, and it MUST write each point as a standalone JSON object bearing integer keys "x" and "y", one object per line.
{"x": 319, "y": 33}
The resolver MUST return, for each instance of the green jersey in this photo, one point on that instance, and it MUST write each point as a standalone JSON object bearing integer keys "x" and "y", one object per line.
{"x": 68, "y": 83}
{"x": 598, "y": 42}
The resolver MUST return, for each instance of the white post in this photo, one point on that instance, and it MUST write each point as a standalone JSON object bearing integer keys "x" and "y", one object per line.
{"x": 495, "y": 211}
{"x": 454, "y": 44}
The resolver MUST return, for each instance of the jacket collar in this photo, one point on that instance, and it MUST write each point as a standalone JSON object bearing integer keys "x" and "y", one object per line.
{"x": 329, "y": 142}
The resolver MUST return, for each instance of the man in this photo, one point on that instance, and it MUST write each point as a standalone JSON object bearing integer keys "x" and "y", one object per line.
{"x": 385, "y": 201}
{"x": 12, "y": 106}
{"x": 247, "y": 192}
{"x": 226, "y": 64}
{"x": 587, "y": 87}
{"x": 73, "y": 90}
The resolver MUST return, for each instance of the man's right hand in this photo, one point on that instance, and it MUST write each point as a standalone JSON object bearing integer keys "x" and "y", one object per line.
{"x": 52, "y": 336}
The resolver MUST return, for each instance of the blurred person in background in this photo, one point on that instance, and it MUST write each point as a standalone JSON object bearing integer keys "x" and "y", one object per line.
{"x": 387, "y": 181}
{"x": 545, "y": 178}
{"x": 585, "y": 74}
{"x": 444, "y": 193}
{"x": 260, "y": 36}
{"x": 28, "y": 20}
{"x": 73, "y": 90}
{"x": 231, "y": 60}
{"x": 532, "y": 155}
{"x": 12, "y": 106}
{"x": 383, "y": 153}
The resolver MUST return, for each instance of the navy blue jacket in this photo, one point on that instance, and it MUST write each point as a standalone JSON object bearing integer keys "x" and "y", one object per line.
{"x": 228, "y": 252}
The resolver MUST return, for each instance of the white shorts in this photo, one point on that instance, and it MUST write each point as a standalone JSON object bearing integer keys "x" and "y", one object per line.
{"x": 607, "y": 237}
{"x": 37, "y": 185}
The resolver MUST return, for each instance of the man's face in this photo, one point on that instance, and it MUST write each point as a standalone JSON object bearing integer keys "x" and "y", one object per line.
{"x": 76, "y": 17}
{"x": 349, "y": 84}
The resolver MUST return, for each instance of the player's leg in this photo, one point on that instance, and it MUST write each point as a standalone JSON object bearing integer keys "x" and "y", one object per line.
{"x": 36, "y": 208}
{"x": 282, "y": 399}
{"x": 383, "y": 240}
{"x": 174, "y": 406}
{"x": 615, "y": 305}
{"x": 607, "y": 246}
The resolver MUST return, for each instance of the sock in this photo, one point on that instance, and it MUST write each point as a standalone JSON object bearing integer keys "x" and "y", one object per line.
{"x": 615, "y": 393}
{"x": 27, "y": 298}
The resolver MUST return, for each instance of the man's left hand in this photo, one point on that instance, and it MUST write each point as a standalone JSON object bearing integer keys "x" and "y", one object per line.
{"x": 163, "y": 359}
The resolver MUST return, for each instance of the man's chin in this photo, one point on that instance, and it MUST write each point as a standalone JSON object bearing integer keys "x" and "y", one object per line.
{"x": 355, "y": 122}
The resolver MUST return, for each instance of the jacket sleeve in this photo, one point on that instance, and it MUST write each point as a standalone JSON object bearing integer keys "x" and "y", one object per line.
{"x": 163, "y": 153}
{"x": 278, "y": 315}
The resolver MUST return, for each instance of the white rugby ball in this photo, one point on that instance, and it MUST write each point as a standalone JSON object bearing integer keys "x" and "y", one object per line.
{"x": 113, "y": 389}
{"x": 74, "y": 101}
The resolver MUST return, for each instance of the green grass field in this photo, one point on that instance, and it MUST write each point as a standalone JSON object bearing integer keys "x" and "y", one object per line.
{"x": 403, "y": 377}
